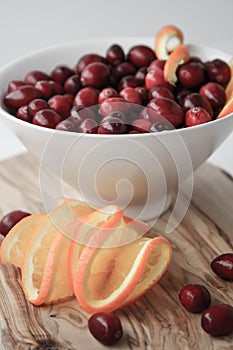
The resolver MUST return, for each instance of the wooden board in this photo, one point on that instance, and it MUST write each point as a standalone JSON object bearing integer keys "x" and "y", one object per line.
{"x": 156, "y": 321}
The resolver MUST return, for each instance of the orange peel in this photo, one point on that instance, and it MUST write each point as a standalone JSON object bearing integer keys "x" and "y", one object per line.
{"x": 227, "y": 109}
{"x": 165, "y": 36}
{"x": 179, "y": 56}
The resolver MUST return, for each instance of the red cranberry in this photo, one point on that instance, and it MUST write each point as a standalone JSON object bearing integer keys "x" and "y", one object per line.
{"x": 10, "y": 219}
{"x": 217, "y": 320}
{"x": 69, "y": 98}
{"x": 95, "y": 75}
{"x": 141, "y": 125}
{"x": 35, "y": 106}
{"x": 72, "y": 84}
{"x": 60, "y": 105}
{"x": 140, "y": 76}
{"x": 115, "y": 55}
{"x": 47, "y": 118}
{"x": 105, "y": 327}
{"x": 123, "y": 69}
{"x": 144, "y": 114}
{"x": 118, "y": 115}
{"x": 195, "y": 298}
{"x": 60, "y": 74}
{"x": 57, "y": 88}
{"x": 32, "y": 77}
{"x": 181, "y": 94}
{"x": 167, "y": 109}
{"x": 112, "y": 125}
{"x": 80, "y": 113}
{"x": 155, "y": 77}
{"x": 143, "y": 93}
{"x": 131, "y": 95}
{"x": 113, "y": 104}
{"x": 141, "y": 55}
{"x": 127, "y": 81}
{"x": 196, "y": 116}
{"x": 86, "y": 97}
{"x": 87, "y": 59}
{"x": 195, "y": 59}
{"x": 22, "y": 113}
{"x": 218, "y": 71}
{"x": 160, "y": 91}
{"x": 161, "y": 126}
{"x": 156, "y": 64}
{"x": 88, "y": 126}
{"x": 197, "y": 100}
{"x": 191, "y": 75}
{"x": 66, "y": 125}
{"x": 22, "y": 96}
{"x": 215, "y": 94}
{"x": 46, "y": 89}
{"x": 222, "y": 265}
{"x": 107, "y": 93}
{"x": 15, "y": 84}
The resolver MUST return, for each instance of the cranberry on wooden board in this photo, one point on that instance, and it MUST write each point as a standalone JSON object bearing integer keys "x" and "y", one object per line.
{"x": 217, "y": 320}
{"x": 222, "y": 265}
{"x": 10, "y": 219}
{"x": 195, "y": 298}
{"x": 21, "y": 96}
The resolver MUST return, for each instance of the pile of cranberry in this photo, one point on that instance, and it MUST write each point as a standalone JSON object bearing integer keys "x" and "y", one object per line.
{"x": 128, "y": 90}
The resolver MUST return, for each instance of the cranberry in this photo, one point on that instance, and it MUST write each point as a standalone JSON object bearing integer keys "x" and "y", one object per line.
{"x": 60, "y": 105}
{"x": 107, "y": 93}
{"x": 80, "y": 113}
{"x": 21, "y": 96}
{"x": 115, "y": 55}
{"x": 141, "y": 125}
{"x": 22, "y": 113}
{"x": 45, "y": 88}
{"x": 144, "y": 114}
{"x": 160, "y": 91}
{"x": 222, "y": 265}
{"x": 88, "y": 126}
{"x": 197, "y": 100}
{"x": 215, "y": 94}
{"x": 112, "y": 125}
{"x": 141, "y": 55}
{"x": 217, "y": 320}
{"x": 60, "y": 74}
{"x": 196, "y": 116}
{"x": 143, "y": 93}
{"x": 10, "y": 219}
{"x": 87, "y": 59}
{"x": 123, "y": 69}
{"x": 66, "y": 125}
{"x": 218, "y": 71}
{"x": 140, "y": 76}
{"x": 127, "y": 81}
{"x": 34, "y": 76}
{"x": 69, "y": 98}
{"x": 57, "y": 88}
{"x": 72, "y": 84}
{"x": 167, "y": 109}
{"x": 191, "y": 75}
{"x": 15, "y": 84}
{"x": 47, "y": 118}
{"x": 86, "y": 97}
{"x": 35, "y": 106}
{"x": 181, "y": 94}
{"x": 195, "y": 298}
{"x": 95, "y": 75}
{"x": 113, "y": 104}
{"x": 195, "y": 59}
{"x": 161, "y": 126}
{"x": 155, "y": 77}
{"x": 131, "y": 95}
{"x": 156, "y": 64}
{"x": 105, "y": 327}
{"x": 118, "y": 115}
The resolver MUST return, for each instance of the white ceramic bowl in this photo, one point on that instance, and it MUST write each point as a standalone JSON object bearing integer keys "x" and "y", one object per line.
{"x": 138, "y": 171}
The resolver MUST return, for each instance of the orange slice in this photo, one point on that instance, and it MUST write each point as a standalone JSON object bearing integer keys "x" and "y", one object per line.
{"x": 227, "y": 109}
{"x": 13, "y": 245}
{"x": 165, "y": 37}
{"x": 179, "y": 56}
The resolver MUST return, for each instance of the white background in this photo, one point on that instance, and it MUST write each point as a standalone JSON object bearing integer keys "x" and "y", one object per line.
{"x": 28, "y": 25}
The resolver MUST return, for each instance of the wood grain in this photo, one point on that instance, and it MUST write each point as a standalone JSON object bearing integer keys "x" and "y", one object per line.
{"x": 156, "y": 321}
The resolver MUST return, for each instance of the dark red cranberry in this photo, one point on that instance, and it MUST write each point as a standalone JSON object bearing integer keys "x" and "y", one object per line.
{"x": 113, "y": 104}
{"x": 196, "y": 116}
{"x": 107, "y": 93}
{"x": 217, "y": 320}
{"x": 218, "y": 71}
{"x": 127, "y": 81}
{"x": 191, "y": 75}
{"x": 86, "y": 97}
{"x": 215, "y": 94}
{"x": 167, "y": 109}
{"x": 197, "y": 100}
{"x": 105, "y": 327}
{"x": 87, "y": 59}
{"x": 69, "y": 98}
{"x": 156, "y": 64}
{"x": 60, "y": 74}
{"x": 21, "y": 96}
{"x": 115, "y": 55}
{"x": 22, "y": 113}
{"x": 144, "y": 114}
{"x": 141, "y": 55}
{"x": 60, "y": 104}
{"x": 131, "y": 95}
{"x": 32, "y": 77}
{"x": 46, "y": 88}
{"x": 66, "y": 125}
{"x": 161, "y": 126}
{"x": 140, "y": 76}
{"x": 155, "y": 77}
{"x": 15, "y": 84}
{"x": 141, "y": 125}
{"x": 143, "y": 92}
{"x": 195, "y": 298}
{"x": 72, "y": 84}
{"x": 57, "y": 88}
{"x": 35, "y": 106}
{"x": 80, "y": 113}
{"x": 112, "y": 125}
{"x": 160, "y": 91}
{"x": 123, "y": 69}
{"x": 88, "y": 126}
{"x": 195, "y": 59}
{"x": 222, "y": 265}
{"x": 47, "y": 118}
{"x": 10, "y": 219}
{"x": 181, "y": 94}
{"x": 118, "y": 115}
{"x": 95, "y": 75}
